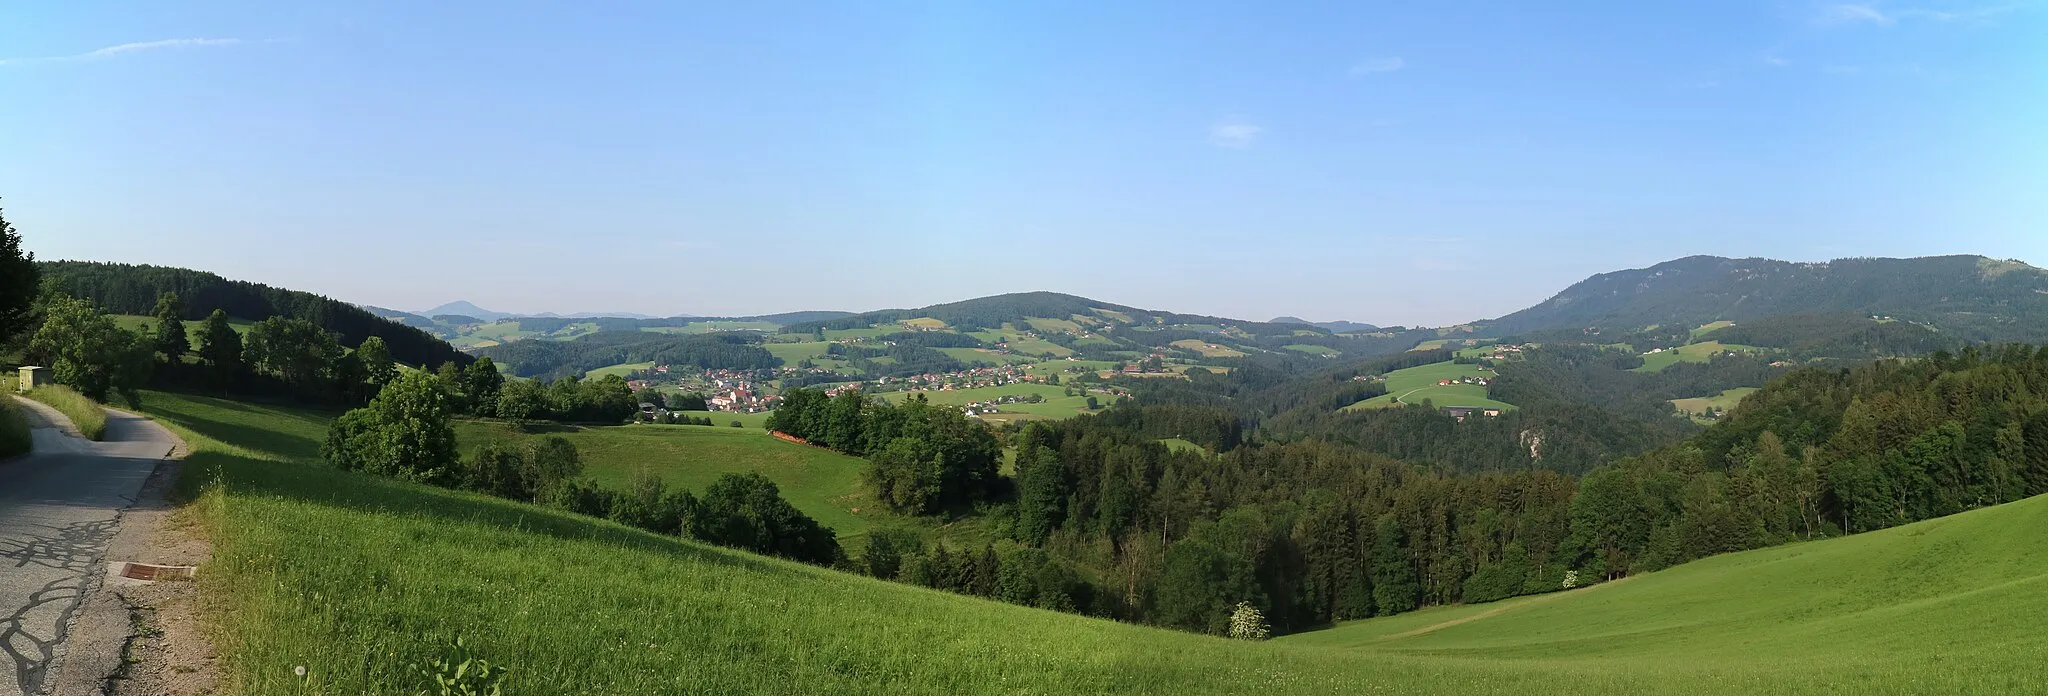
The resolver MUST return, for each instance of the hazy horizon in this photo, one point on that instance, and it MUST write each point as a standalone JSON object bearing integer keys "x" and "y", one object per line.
{"x": 1396, "y": 166}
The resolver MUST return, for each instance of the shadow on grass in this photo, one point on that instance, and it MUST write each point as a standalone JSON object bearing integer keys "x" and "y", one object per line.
{"x": 320, "y": 485}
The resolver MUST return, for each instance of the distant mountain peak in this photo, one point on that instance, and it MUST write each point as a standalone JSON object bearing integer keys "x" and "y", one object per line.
{"x": 464, "y": 308}
{"x": 1339, "y": 326}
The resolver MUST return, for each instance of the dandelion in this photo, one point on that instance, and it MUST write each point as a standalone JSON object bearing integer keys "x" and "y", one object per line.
{"x": 299, "y": 671}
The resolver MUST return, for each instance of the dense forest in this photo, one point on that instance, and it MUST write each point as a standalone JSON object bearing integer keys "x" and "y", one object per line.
{"x": 1976, "y": 298}
{"x": 129, "y": 289}
{"x": 1806, "y": 337}
{"x": 1313, "y": 531}
{"x": 712, "y": 351}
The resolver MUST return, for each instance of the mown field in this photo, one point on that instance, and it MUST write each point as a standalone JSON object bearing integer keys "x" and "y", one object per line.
{"x": 358, "y": 579}
{"x": 1415, "y": 385}
{"x": 1691, "y": 352}
{"x": 822, "y": 483}
{"x": 621, "y": 369}
{"x": 1056, "y": 404}
{"x": 1725, "y": 400}
{"x": 1942, "y": 606}
{"x": 137, "y": 322}
{"x": 1710, "y": 327}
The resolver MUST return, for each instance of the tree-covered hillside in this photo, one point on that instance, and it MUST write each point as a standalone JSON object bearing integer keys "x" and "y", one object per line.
{"x": 555, "y": 359}
{"x": 1976, "y": 298}
{"x": 122, "y": 288}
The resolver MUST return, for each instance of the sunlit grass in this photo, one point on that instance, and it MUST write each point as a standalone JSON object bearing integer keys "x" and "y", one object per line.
{"x": 358, "y": 578}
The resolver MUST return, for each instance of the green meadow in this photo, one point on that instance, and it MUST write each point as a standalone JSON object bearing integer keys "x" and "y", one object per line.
{"x": 358, "y": 579}
{"x": 621, "y": 369}
{"x": 822, "y": 483}
{"x": 1056, "y": 404}
{"x": 1710, "y": 327}
{"x": 1415, "y": 385}
{"x": 1691, "y": 352}
{"x": 1725, "y": 401}
{"x": 137, "y": 322}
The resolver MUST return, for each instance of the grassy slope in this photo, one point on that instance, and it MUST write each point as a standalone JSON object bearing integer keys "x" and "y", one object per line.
{"x": 1417, "y": 384}
{"x": 14, "y": 431}
{"x": 822, "y": 483}
{"x": 1691, "y": 352}
{"x": 358, "y": 577}
{"x": 621, "y": 369}
{"x": 1725, "y": 400}
{"x": 1946, "y": 605}
{"x": 83, "y": 412}
{"x": 1056, "y": 404}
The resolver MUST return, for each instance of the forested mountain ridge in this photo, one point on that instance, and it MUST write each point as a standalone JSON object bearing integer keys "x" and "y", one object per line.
{"x": 992, "y": 311}
{"x": 121, "y": 288}
{"x": 1978, "y": 298}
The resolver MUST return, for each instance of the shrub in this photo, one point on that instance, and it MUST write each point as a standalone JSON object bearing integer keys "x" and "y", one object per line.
{"x": 1246, "y": 623}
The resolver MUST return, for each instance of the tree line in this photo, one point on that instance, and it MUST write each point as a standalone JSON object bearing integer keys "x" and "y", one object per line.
{"x": 405, "y": 432}
{"x": 556, "y": 359}
{"x": 132, "y": 289}
{"x": 1311, "y": 532}
{"x": 922, "y": 458}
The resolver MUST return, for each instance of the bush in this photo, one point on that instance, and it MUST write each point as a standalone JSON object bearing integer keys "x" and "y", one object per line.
{"x": 83, "y": 412}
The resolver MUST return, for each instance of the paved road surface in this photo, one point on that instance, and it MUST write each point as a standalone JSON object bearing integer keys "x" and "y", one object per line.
{"x": 59, "y": 507}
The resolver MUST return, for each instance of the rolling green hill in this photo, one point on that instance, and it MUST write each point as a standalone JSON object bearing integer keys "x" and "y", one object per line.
{"x": 1415, "y": 385}
{"x": 1941, "y": 606}
{"x": 822, "y": 483}
{"x": 1977, "y": 298}
{"x": 359, "y": 578}
{"x": 120, "y": 288}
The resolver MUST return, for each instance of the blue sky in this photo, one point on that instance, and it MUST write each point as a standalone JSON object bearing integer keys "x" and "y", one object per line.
{"x": 1424, "y": 163}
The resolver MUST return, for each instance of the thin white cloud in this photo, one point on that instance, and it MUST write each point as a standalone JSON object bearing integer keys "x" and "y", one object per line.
{"x": 1846, "y": 13}
{"x": 1772, "y": 59}
{"x": 1871, "y": 13}
{"x": 1234, "y": 132}
{"x": 127, "y": 48}
{"x": 1378, "y": 65}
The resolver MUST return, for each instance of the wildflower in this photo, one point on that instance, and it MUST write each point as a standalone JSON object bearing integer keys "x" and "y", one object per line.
{"x": 299, "y": 671}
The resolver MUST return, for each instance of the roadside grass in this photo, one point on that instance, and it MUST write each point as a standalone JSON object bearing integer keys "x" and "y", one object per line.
{"x": 359, "y": 578}
{"x": 823, "y": 484}
{"x": 83, "y": 412}
{"x": 14, "y": 431}
{"x": 1415, "y": 385}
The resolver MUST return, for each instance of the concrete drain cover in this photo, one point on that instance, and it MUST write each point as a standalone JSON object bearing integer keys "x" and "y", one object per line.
{"x": 152, "y": 573}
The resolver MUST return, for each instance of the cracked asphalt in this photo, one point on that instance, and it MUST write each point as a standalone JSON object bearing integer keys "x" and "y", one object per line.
{"x": 59, "y": 508}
